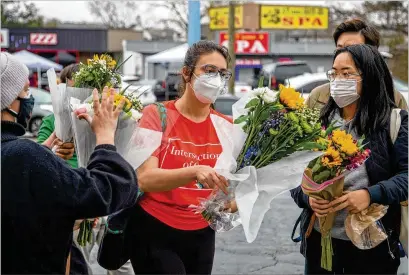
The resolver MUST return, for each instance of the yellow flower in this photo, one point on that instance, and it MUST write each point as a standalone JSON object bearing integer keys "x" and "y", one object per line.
{"x": 109, "y": 60}
{"x": 96, "y": 58}
{"x": 345, "y": 142}
{"x": 118, "y": 98}
{"x": 349, "y": 148}
{"x": 291, "y": 98}
{"x": 331, "y": 158}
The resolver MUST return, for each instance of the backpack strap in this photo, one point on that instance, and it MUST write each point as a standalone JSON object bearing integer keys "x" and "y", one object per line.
{"x": 395, "y": 124}
{"x": 162, "y": 114}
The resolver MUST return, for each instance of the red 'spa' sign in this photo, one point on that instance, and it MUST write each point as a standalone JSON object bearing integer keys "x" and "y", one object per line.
{"x": 248, "y": 42}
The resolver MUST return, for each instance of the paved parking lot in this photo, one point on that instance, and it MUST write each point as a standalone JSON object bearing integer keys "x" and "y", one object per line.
{"x": 272, "y": 252}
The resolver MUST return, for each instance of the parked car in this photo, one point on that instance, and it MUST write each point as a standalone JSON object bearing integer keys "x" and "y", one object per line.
{"x": 276, "y": 73}
{"x": 307, "y": 82}
{"x": 171, "y": 85}
{"x": 143, "y": 87}
{"x": 42, "y": 108}
{"x": 224, "y": 104}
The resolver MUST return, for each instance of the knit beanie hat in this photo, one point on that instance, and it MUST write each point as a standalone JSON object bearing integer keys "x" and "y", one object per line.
{"x": 14, "y": 75}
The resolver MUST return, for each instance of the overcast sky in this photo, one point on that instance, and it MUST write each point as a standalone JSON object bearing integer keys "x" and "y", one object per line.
{"x": 77, "y": 11}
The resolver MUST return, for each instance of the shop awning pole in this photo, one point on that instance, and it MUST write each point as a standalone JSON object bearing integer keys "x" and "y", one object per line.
{"x": 39, "y": 77}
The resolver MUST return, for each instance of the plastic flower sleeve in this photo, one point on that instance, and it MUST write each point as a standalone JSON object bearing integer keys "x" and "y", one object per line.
{"x": 79, "y": 93}
{"x": 252, "y": 188}
{"x": 254, "y": 197}
{"x": 134, "y": 143}
{"x": 61, "y": 109}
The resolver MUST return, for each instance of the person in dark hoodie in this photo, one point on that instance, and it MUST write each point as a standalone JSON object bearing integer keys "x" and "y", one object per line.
{"x": 42, "y": 196}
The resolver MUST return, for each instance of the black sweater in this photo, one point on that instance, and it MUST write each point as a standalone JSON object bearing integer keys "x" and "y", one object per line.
{"x": 42, "y": 197}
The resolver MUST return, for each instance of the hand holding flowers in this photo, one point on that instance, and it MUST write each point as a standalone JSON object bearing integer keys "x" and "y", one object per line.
{"x": 323, "y": 182}
{"x": 105, "y": 118}
{"x": 354, "y": 201}
{"x": 275, "y": 124}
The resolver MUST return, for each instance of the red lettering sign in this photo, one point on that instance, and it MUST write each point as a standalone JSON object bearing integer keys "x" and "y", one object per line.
{"x": 43, "y": 39}
{"x": 248, "y": 42}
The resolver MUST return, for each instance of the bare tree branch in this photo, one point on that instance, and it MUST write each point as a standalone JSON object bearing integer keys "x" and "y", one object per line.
{"x": 116, "y": 14}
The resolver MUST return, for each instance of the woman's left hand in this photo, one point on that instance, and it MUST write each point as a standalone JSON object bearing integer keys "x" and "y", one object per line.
{"x": 354, "y": 201}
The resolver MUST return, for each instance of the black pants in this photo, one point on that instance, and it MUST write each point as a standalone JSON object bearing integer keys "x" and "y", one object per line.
{"x": 348, "y": 259}
{"x": 160, "y": 249}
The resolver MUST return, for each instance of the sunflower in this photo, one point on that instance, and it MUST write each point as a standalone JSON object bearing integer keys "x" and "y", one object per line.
{"x": 331, "y": 158}
{"x": 349, "y": 148}
{"x": 291, "y": 98}
{"x": 345, "y": 142}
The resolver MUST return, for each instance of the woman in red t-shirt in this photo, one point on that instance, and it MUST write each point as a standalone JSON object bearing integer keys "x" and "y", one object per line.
{"x": 169, "y": 237}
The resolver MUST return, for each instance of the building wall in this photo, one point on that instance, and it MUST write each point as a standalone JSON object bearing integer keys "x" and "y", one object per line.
{"x": 115, "y": 38}
{"x": 83, "y": 40}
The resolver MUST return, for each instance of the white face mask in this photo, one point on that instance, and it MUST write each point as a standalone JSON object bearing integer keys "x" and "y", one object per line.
{"x": 208, "y": 88}
{"x": 344, "y": 92}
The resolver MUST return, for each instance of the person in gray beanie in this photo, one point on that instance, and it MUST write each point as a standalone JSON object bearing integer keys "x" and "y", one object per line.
{"x": 15, "y": 84}
{"x": 42, "y": 196}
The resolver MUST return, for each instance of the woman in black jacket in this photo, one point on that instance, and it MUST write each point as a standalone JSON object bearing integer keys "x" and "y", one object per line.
{"x": 362, "y": 100}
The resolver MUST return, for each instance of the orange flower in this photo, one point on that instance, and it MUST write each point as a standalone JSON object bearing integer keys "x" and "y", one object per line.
{"x": 290, "y": 97}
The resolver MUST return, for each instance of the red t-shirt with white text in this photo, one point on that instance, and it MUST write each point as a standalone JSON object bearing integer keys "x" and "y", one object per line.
{"x": 185, "y": 143}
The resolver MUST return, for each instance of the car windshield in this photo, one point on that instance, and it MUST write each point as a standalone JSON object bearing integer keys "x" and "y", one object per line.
{"x": 400, "y": 85}
{"x": 40, "y": 96}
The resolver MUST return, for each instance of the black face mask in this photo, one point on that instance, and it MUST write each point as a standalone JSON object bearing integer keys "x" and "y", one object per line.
{"x": 26, "y": 108}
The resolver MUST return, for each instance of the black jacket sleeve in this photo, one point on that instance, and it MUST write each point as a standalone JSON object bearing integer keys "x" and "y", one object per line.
{"x": 107, "y": 185}
{"x": 300, "y": 198}
{"x": 395, "y": 189}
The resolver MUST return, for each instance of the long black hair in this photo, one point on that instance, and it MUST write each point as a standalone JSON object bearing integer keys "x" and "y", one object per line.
{"x": 377, "y": 98}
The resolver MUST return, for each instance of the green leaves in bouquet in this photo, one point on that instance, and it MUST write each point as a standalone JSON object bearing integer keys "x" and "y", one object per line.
{"x": 252, "y": 103}
{"x": 322, "y": 176}
{"x": 261, "y": 82}
{"x": 241, "y": 119}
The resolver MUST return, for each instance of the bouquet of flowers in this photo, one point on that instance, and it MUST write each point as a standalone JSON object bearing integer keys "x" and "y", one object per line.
{"x": 135, "y": 144}
{"x": 99, "y": 72}
{"x": 85, "y": 139}
{"x": 324, "y": 179}
{"x": 274, "y": 134}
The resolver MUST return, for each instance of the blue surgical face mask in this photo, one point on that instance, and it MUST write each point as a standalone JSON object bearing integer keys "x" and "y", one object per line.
{"x": 26, "y": 109}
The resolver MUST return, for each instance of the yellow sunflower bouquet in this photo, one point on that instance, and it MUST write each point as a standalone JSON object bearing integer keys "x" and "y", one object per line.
{"x": 324, "y": 179}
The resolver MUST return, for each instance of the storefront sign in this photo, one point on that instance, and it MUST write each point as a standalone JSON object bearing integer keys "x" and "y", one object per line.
{"x": 292, "y": 17}
{"x": 248, "y": 42}
{"x": 219, "y": 18}
{"x": 248, "y": 62}
{"x": 43, "y": 39}
{"x": 4, "y": 38}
